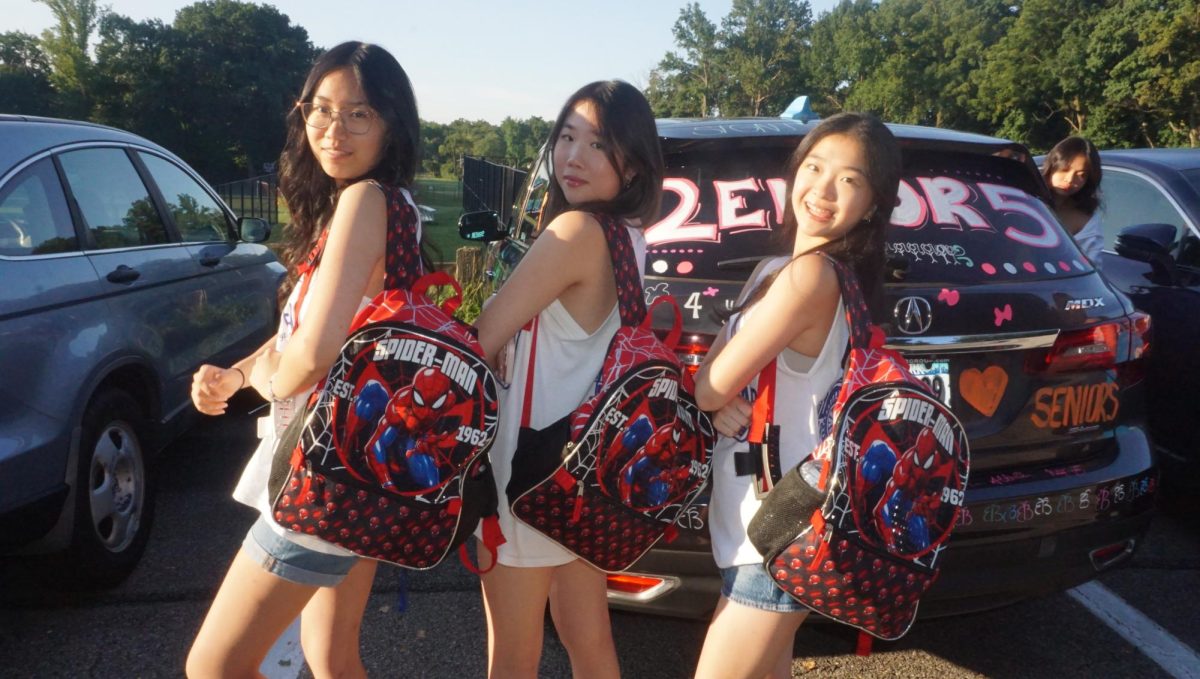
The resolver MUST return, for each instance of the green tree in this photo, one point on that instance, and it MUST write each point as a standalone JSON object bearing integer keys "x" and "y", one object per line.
{"x": 136, "y": 80}
{"x": 66, "y": 45}
{"x": 24, "y": 76}
{"x": 927, "y": 51}
{"x": 1036, "y": 84}
{"x": 1151, "y": 51}
{"x": 237, "y": 69}
{"x": 845, "y": 50}
{"x": 689, "y": 83}
{"x": 765, "y": 50}
{"x": 523, "y": 139}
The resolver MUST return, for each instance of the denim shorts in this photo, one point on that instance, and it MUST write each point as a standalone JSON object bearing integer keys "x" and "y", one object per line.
{"x": 750, "y": 585}
{"x": 282, "y": 557}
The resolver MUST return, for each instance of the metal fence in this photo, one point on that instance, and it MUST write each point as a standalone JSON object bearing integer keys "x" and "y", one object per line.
{"x": 254, "y": 197}
{"x": 490, "y": 186}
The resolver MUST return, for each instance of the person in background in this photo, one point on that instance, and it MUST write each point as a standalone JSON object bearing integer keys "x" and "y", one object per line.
{"x": 1072, "y": 171}
{"x": 351, "y": 153}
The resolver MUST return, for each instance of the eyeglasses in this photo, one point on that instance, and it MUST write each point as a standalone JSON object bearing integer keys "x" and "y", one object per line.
{"x": 355, "y": 121}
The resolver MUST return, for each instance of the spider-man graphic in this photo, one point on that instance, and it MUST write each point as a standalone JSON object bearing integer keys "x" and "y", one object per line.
{"x": 660, "y": 465}
{"x": 405, "y": 441}
{"x": 912, "y": 494}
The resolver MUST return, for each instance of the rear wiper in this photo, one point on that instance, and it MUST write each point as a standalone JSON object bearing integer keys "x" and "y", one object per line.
{"x": 740, "y": 263}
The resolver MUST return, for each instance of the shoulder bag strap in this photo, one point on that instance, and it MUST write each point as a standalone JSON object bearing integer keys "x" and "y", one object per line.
{"x": 402, "y": 256}
{"x": 631, "y": 300}
{"x": 858, "y": 317}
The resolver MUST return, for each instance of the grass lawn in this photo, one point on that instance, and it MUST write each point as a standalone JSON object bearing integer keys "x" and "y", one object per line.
{"x": 444, "y": 195}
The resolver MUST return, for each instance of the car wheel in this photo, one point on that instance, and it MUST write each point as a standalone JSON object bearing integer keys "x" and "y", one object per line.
{"x": 113, "y": 494}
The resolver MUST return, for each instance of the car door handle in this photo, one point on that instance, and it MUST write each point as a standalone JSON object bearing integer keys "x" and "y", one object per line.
{"x": 123, "y": 274}
{"x": 209, "y": 260}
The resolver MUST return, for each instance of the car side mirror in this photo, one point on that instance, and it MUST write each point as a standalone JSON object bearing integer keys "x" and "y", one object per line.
{"x": 253, "y": 229}
{"x": 1150, "y": 243}
{"x": 481, "y": 226}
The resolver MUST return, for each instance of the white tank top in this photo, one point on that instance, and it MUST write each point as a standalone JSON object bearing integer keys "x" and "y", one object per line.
{"x": 568, "y": 365}
{"x": 801, "y": 383}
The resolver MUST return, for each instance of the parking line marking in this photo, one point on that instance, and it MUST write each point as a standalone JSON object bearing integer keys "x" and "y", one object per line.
{"x": 1175, "y": 657}
{"x": 285, "y": 659}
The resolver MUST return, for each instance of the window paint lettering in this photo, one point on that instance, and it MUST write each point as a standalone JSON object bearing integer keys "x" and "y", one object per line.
{"x": 677, "y": 226}
{"x": 729, "y": 202}
{"x": 1009, "y": 199}
{"x": 950, "y": 203}
{"x": 910, "y": 211}
{"x": 1075, "y": 406}
{"x": 948, "y": 200}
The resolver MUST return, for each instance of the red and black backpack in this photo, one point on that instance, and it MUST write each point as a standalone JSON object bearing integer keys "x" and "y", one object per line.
{"x": 610, "y": 479}
{"x": 856, "y": 531}
{"x": 387, "y": 458}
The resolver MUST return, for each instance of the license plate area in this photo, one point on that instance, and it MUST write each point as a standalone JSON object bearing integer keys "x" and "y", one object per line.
{"x": 935, "y": 373}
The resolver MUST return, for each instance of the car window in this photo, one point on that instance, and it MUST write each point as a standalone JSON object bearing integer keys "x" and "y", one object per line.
{"x": 719, "y": 205}
{"x": 965, "y": 218}
{"x": 34, "y": 218}
{"x": 114, "y": 202}
{"x": 528, "y": 220}
{"x": 962, "y": 218}
{"x": 197, "y": 215}
{"x": 1127, "y": 199}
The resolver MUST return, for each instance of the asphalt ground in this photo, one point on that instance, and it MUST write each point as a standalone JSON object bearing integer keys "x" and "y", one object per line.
{"x": 144, "y": 627}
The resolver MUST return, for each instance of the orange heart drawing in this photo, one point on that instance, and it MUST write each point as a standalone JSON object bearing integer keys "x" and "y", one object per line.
{"x": 983, "y": 390}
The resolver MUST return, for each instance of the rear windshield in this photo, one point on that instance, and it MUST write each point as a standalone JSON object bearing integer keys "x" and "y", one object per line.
{"x": 960, "y": 218}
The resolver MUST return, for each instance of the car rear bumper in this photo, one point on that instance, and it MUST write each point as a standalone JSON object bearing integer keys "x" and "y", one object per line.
{"x": 1014, "y": 541}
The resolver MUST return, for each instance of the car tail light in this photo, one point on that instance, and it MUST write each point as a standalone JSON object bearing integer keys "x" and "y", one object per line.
{"x": 1100, "y": 347}
{"x": 639, "y": 587}
{"x": 691, "y": 350}
{"x": 1139, "y": 335}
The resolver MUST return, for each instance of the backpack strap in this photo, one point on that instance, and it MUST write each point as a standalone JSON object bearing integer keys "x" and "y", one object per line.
{"x": 402, "y": 252}
{"x": 631, "y": 300}
{"x": 858, "y": 317}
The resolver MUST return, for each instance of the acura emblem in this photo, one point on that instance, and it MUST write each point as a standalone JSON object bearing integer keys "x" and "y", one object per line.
{"x": 913, "y": 315}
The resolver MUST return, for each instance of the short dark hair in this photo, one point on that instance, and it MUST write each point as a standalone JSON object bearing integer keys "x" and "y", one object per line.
{"x": 302, "y": 182}
{"x": 631, "y": 144}
{"x": 1087, "y": 198}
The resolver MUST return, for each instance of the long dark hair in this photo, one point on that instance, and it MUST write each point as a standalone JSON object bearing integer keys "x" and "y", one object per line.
{"x": 1087, "y": 198}
{"x": 311, "y": 194}
{"x": 631, "y": 144}
{"x": 862, "y": 247}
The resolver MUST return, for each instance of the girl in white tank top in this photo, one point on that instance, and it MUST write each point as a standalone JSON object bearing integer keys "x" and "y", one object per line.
{"x": 842, "y": 185}
{"x": 566, "y": 281}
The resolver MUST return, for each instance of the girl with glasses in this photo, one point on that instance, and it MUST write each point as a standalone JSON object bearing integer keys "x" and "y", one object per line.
{"x": 350, "y": 156}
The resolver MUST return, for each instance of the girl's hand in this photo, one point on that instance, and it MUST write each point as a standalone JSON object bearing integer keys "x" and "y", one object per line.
{"x": 733, "y": 418}
{"x": 265, "y": 365}
{"x": 212, "y": 387}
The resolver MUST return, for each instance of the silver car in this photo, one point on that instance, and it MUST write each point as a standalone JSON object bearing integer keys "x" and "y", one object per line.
{"x": 121, "y": 271}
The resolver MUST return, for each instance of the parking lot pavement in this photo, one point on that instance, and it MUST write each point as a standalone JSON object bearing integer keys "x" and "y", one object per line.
{"x": 144, "y": 627}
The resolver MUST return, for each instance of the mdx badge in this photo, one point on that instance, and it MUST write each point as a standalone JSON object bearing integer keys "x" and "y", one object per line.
{"x": 913, "y": 315}
{"x": 1088, "y": 303}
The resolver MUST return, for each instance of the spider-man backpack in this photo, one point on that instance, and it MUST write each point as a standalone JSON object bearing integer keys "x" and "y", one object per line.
{"x": 855, "y": 532}
{"x": 387, "y": 458}
{"x": 611, "y": 478}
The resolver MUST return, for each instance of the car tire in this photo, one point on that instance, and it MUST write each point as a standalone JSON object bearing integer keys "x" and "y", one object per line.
{"x": 113, "y": 495}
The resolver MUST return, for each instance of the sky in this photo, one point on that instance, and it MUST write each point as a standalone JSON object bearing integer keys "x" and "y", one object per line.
{"x": 473, "y": 59}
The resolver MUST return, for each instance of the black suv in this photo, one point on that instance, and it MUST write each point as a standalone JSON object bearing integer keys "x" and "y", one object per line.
{"x": 992, "y": 304}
